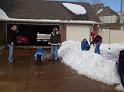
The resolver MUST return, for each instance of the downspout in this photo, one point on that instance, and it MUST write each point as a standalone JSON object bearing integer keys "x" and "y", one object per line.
{"x": 109, "y": 36}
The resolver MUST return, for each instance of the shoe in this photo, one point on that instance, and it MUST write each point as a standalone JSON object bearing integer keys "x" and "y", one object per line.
{"x": 57, "y": 59}
{"x": 49, "y": 60}
{"x": 38, "y": 64}
{"x": 53, "y": 61}
{"x": 10, "y": 62}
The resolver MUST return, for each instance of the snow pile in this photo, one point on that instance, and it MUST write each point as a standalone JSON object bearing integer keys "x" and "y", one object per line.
{"x": 99, "y": 67}
{"x": 111, "y": 51}
{"x": 77, "y": 9}
{"x": 3, "y": 14}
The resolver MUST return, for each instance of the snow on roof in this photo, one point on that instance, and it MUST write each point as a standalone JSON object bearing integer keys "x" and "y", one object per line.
{"x": 4, "y": 17}
{"x": 99, "y": 11}
{"x": 3, "y": 14}
{"x": 77, "y": 9}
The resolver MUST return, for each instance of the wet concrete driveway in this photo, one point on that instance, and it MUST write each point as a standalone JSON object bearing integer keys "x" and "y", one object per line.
{"x": 25, "y": 76}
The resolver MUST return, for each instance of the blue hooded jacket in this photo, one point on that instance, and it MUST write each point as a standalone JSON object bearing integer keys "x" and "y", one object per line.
{"x": 39, "y": 51}
{"x": 85, "y": 45}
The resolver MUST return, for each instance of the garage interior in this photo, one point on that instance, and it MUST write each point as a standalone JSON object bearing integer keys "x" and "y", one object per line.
{"x": 29, "y": 32}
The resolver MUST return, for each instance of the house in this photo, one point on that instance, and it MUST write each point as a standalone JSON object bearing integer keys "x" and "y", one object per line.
{"x": 122, "y": 21}
{"x": 109, "y": 18}
{"x": 74, "y": 20}
{"x": 112, "y": 29}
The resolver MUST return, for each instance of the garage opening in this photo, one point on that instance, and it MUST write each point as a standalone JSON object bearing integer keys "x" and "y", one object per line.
{"x": 36, "y": 35}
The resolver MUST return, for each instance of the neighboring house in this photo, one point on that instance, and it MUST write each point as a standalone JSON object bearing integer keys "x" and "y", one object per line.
{"x": 109, "y": 18}
{"x": 122, "y": 21}
{"x": 74, "y": 20}
{"x": 112, "y": 27}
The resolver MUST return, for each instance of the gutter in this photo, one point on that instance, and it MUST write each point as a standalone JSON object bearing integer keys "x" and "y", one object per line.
{"x": 49, "y": 21}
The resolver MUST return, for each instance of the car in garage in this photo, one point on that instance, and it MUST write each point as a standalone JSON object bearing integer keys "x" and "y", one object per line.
{"x": 42, "y": 39}
{"x": 22, "y": 39}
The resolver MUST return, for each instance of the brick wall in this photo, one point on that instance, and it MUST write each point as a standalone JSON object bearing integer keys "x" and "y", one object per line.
{"x": 63, "y": 32}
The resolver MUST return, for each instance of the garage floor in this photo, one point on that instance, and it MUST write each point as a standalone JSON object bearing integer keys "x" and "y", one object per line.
{"x": 25, "y": 76}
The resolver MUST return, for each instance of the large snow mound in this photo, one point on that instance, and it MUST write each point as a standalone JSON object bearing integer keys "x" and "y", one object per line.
{"x": 100, "y": 67}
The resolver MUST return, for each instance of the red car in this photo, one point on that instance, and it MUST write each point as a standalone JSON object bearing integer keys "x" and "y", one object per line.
{"x": 22, "y": 39}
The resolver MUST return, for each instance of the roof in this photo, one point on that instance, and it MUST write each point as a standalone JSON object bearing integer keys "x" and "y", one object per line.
{"x": 111, "y": 25}
{"x": 116, "y": 25}
{"x": 96, "y": 7}
{"x": 105, "y": 10}
{"x": 102, "y": 10}
{"x": 54, "y": 10}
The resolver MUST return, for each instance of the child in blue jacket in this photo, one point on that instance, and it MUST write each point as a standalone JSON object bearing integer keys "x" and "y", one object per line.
{"x": 39, "y": 55}
{"x": 85, "y": 45}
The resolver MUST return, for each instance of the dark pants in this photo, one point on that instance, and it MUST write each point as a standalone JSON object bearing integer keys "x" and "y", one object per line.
{"x": 97, "y": 48}
{"x": 54, "y": 52}
{"x": 39, "y": 62}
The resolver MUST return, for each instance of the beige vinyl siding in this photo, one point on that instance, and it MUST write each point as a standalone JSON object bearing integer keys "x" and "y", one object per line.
{"x": 77, "y": 32}
{"x": 112, "y": 36}
{"x": 105, "y": 35}
{"x": 108, "y": 19}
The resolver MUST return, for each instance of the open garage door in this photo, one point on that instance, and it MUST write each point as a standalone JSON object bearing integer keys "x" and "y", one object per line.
{"x": 36, "y": 35}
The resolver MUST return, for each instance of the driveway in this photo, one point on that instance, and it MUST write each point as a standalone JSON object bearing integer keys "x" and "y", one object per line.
{"x": 24, "y": 76}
